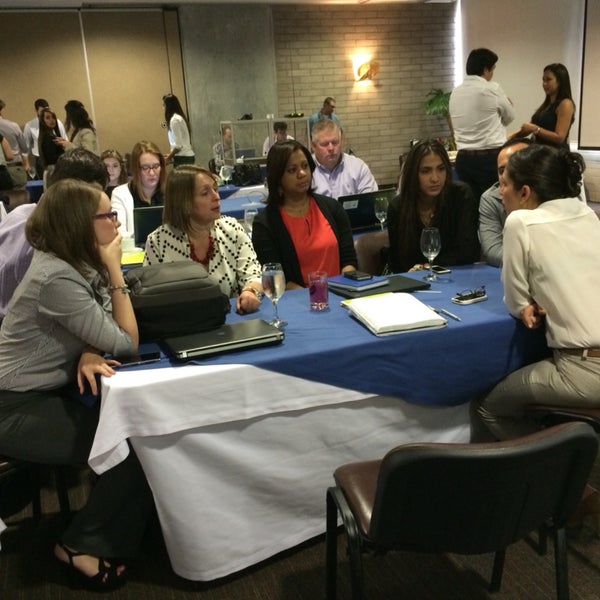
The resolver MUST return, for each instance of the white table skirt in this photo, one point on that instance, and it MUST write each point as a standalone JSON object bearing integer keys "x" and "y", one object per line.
{"x": 239, "y": 479}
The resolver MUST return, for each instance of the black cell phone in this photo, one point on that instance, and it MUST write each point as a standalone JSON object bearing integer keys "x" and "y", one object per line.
{"x": 440, "y": 270}
{"x": 138, "y": 359}
{"x": 357, "y": 275}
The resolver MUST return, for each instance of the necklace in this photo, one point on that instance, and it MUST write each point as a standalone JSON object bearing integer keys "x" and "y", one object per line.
{"x": 210, "y": 252}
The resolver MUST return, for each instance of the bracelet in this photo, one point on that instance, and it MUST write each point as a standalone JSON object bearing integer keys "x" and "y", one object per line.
{"x": 124, "y": 289}
{"x": 256, "y": 292}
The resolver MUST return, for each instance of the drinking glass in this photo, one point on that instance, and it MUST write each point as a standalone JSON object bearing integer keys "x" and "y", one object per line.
{"x": 431, "y": 245}
{"x": 249, "y": 214}
{"x": 273, "y": 281}
{"x": 381, "y": 207}
{"x": 225, "y": 174}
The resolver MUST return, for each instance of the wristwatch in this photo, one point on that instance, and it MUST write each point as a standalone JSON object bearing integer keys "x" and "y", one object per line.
{"x": 256, "y": 292}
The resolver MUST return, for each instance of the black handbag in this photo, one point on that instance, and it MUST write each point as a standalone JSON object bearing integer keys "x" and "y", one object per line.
{"x": 172, "y": 299}
{"x": 246, "y": 174}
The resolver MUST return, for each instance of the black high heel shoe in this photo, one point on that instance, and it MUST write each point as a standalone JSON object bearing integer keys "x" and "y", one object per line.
{"x": 106, "y": 579}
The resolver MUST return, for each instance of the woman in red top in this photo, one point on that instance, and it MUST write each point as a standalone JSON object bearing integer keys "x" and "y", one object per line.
{"x": 302, "y": 231}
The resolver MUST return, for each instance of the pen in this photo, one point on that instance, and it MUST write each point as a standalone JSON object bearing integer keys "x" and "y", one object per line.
{"x": 428, "y": 292}
{"x": 449, "y": 314}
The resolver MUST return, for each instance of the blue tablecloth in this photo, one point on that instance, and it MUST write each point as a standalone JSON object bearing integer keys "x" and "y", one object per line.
{"x": 446, "y": 366}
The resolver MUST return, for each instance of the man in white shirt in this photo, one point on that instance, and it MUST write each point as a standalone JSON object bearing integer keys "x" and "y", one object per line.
{"x": 337, "y": 173}
{"x": 281, "y": 135}
{"x": 480, "y": 112}
{"x": 31, "y": 132}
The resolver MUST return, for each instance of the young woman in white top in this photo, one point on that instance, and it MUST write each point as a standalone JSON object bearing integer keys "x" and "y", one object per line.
{"x": 179, "y": 132}
{"x": 146, "y": 188}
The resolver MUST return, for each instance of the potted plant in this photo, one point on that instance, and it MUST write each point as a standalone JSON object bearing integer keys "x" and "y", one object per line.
{"x": 437, "y": 104}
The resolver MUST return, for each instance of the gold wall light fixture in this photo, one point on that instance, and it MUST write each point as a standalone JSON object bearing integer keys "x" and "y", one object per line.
{"x": 364, "y": 68}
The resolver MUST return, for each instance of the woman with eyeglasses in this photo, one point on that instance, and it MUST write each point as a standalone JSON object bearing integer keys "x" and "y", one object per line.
{"x": 71, "y": 307}
{"x": 146, "y": 188}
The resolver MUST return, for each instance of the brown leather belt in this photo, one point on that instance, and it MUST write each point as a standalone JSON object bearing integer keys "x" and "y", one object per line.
{"x": 481, "y": 152}
{"x": 583, "y": 352}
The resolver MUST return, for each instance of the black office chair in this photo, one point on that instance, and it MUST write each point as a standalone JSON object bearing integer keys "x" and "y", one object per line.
{"x": 461, "y": 498}
{"x": 20, "y": 483}
{"x": 371, "y": 251}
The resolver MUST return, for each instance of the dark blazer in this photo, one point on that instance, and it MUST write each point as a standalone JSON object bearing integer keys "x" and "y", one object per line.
{"x": 458, "y": 224}
{"x": 273, "y": 243}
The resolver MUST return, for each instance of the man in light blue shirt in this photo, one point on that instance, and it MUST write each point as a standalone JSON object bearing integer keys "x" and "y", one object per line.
{"x": 326, "y": 112}
{"x": 337, "y": 173}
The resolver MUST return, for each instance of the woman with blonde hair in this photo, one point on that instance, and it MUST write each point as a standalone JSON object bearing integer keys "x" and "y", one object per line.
{"x": 193, "y": 229}
{"x": 146, "y": 188}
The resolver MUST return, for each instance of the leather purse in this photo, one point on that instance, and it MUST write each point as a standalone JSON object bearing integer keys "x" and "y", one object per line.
{"x": 178, "y": 298}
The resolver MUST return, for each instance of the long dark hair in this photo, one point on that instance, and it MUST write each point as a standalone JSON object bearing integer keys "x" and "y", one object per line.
{"x": 550, "y": 172}
{"x": 277, "y": 160}
{"x": 564, "y": 88}
{"x": 63, "y": 223}
{"x": 408, "y": 207}
{"x": 173, "y": 107}
{"x": 77, "y": 118}
{"x": 47, "y": 133}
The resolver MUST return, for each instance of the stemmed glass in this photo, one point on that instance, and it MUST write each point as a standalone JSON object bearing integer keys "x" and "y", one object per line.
{"x": 225, "y": 174}
{"x": 431, "y": 244}
{"x": 381, "y": 206}
{"x": 273, "y": 281}
{"x": 249, "y": 214}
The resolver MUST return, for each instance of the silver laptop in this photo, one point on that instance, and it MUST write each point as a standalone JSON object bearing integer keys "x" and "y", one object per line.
{"x": 231, "y": 336}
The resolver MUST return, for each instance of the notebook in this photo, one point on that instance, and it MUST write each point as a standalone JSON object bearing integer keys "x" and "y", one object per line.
{"x": 145, "y": 220}
{"x": 360, "y": 208}
{"x": 394, "y": 313}
{"x": 395, "y": 283}
{"x": 231, "y": 336}
{"x": 343, "y": 284}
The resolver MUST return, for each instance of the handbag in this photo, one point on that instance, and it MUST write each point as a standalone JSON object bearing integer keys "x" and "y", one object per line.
{"x": 246, "y": 174}
{"x": 172, "y": 299}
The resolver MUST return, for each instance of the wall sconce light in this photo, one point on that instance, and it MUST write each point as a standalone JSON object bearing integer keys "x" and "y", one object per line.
{"x": 366, "y": 70}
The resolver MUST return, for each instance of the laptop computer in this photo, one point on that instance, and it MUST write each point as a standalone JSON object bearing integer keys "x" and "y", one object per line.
{"x": 245, "y": 152}
{"x": 360, "y": 208}
{"x": 145, "y": 220}
{"x": 231, "y": 336}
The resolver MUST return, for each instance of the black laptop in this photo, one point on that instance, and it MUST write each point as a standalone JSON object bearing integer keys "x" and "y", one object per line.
{"x": 227, "y": 338}
{"x": 145, "y": 220}
{"x": 360, "y": 208}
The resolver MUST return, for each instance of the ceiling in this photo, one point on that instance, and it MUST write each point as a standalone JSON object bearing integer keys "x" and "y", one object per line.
{"x": 50, "y": 4}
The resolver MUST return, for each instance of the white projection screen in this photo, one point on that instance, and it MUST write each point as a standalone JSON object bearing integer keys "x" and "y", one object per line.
{"x": 589, "y": 119}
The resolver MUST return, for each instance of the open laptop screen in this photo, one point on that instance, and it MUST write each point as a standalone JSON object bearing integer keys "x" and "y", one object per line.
{"x": 145, "y": 220}
{"x": 361, "y": 208}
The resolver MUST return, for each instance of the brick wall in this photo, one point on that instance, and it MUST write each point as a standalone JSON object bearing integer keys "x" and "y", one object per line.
{"x": 414, "y": 45}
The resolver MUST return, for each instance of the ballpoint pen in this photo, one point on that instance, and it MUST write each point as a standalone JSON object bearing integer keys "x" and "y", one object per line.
{"x": 449, "y": 314}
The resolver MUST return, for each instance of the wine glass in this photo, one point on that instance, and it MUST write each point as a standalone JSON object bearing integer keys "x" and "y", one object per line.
{"x": 225, "y": 174}
{"x": 381, "y": 206}
{"x": 249, "y": 214}
{"x": 431, "y": 245}
{"x": 273, "y": 281}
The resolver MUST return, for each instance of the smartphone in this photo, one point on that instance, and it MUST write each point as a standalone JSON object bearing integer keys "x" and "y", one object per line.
{"x": 459, "y": 300}
{"x": 138, "y": 359}
{"x": 440, "y": 270}
{"x": 357, "y": 275}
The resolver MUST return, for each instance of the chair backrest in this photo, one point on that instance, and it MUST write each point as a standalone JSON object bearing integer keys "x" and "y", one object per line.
{"x": 478, "y": 498}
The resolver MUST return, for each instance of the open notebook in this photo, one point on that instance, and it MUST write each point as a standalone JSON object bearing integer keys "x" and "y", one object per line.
{"x": 393, "y": 313}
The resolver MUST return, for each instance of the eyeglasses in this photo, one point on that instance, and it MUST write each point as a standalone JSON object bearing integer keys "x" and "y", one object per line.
{"x": 471, "y": 294}
{"x": 148, "y": 168}
{"x": 113, "y": 215}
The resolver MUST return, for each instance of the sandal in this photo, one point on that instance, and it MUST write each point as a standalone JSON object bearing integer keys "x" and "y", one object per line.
{"x": 106, "y": 579}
